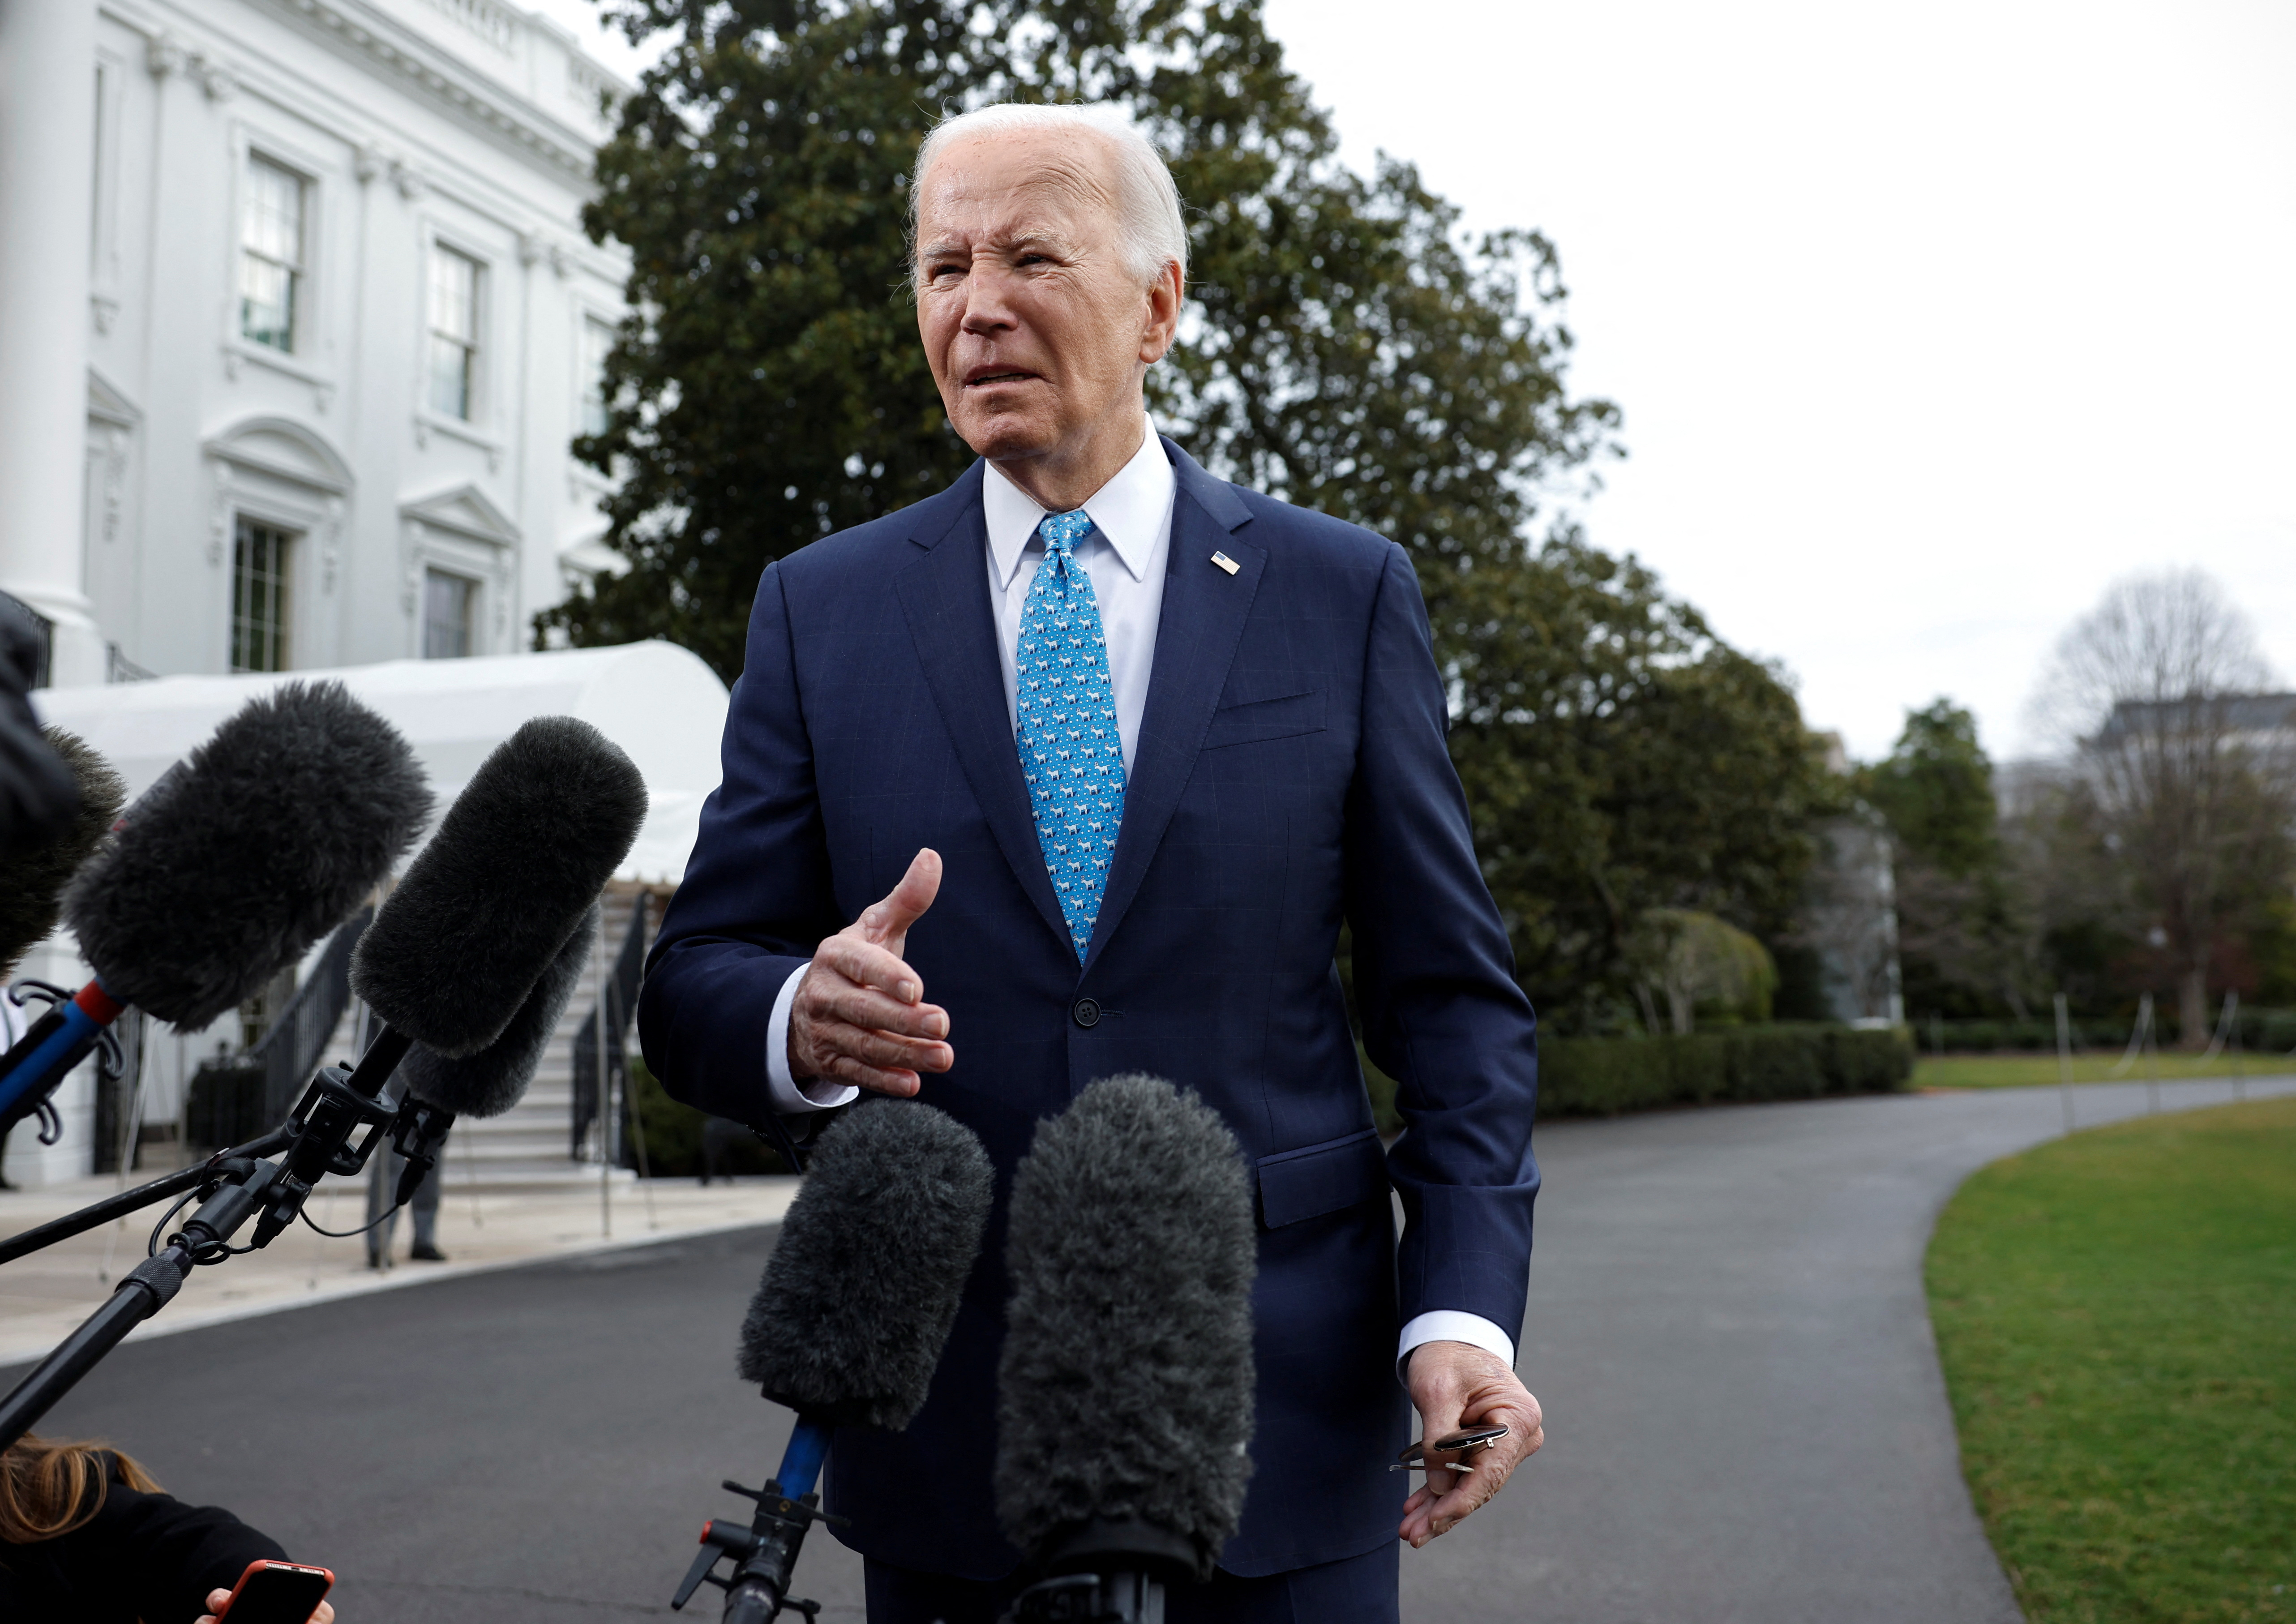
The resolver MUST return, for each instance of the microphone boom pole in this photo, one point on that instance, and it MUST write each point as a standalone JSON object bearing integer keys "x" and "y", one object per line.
{"x": 148, "y": 1288}
{"x": 238, "y": 1185}
{"x": 25, "y": 1243}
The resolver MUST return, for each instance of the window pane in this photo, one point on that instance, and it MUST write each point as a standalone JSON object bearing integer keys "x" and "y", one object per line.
{"x": 274, "y": 212}
{"x": 260, "y": 597}
{"x": 453, "y": 295}
{"x": 454, "y": 331}
{"x": 266, "y": 302}
{"x": 450, "y": 378}
{"x": 598, "y": 339}
{"x": 271, "y": 254}
{"x": 446, "y": 615}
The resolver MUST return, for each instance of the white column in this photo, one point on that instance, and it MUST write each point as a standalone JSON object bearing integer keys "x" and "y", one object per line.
{"x": 47, "y": 173}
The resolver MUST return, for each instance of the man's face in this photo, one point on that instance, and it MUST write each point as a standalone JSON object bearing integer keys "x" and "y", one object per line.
{"x": 1037, "y": 329}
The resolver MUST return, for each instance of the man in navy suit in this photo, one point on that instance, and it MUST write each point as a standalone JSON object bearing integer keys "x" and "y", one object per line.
{"x": 1103, "y": 750}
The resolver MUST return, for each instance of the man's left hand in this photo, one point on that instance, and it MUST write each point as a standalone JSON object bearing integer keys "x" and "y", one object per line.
{"x": 1456, "y": 1385}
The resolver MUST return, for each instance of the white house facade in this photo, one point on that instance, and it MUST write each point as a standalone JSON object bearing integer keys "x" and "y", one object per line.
{"x": 296, "y": 322}
{"x": 299, "y": 321}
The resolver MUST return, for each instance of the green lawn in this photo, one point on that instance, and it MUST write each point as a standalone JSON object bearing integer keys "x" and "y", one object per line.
{"x": 2116, "y": 1316}
{"x": 2030, "y": 1070}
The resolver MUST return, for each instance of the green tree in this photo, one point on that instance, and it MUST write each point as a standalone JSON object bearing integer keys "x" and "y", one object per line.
{"x": 1619, "y": 759}
{"x": 1964, "y": 933}
{"x": 1936, "y": 789}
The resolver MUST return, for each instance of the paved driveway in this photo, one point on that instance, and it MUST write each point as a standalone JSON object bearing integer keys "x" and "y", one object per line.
{"x": 1727, "y": 1327}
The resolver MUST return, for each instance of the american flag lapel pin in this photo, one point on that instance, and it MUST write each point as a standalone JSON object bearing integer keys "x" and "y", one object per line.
{"x": 1225, "y": 562}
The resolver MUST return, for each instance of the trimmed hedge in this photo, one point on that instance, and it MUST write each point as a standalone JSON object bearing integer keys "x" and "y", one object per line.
{"x": 1602, "y": 1076}
{"x": 2260, "y": 1030}
{"x": 676, "y": 1135}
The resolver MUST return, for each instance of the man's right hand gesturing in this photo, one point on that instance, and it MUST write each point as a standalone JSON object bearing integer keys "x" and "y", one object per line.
{"x": 859, "y": 1015}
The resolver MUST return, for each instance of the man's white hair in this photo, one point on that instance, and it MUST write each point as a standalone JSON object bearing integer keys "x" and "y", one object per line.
{"x": 1147, "y": 202}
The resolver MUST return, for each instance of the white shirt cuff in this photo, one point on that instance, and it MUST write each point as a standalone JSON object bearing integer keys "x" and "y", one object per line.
{"x": 783, "y": 1092}
{"x": 1453, "y": 1325}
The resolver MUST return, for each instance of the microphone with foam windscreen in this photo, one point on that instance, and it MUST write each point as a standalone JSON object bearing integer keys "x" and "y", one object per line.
{"x": 226, "y": 871}
{"x": 850, "y": 1319}
{"x": 475, "y": 948}
{"x": 435, "y": 1088}
{"x": 32, "y": 881}
{"x": 38, "y": 795}
{"x": 1124, "y": 1398}
{"x": 33, "y": 877}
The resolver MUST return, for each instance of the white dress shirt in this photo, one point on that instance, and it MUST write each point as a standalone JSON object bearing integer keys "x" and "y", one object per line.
{"x": 1125, "y": 556}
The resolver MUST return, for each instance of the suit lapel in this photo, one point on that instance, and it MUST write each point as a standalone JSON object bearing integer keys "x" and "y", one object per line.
{"x": 1197, "y": 632}
{"x": 945, "y": 597}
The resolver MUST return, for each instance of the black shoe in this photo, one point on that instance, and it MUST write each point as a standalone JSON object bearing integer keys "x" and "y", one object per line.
{"x": 422, "y": 1251}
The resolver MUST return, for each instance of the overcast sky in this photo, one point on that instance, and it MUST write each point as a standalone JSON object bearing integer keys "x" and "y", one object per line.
{"x": 1927, "y": 322}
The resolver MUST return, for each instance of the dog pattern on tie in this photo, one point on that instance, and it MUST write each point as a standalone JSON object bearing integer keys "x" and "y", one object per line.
{"x": 1065, "y": 726}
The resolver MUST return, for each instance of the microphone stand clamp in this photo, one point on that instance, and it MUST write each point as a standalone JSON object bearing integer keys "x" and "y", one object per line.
{"x": 764, "y": 1553}
{"x": 1114, "y": 1597}
{"x": 1107, "y": 1570}
{"x": 336, "y": 1105}
{"x": 110, "y": 1064}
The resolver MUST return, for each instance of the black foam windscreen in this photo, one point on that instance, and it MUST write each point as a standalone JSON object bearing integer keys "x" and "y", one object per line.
{"x": 227, "y": 870}
{"x": 36, "y": 792}
{"x": 32, "y": 880}
{"x": 1125, "y": 1395}
{"x": 491, "y": 1081}
{"x": 485, "y": 907}
{"x": 857, "y": 1301}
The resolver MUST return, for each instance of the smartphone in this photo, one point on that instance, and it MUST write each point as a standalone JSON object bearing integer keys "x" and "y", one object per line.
{"x": 277, "y": 1593}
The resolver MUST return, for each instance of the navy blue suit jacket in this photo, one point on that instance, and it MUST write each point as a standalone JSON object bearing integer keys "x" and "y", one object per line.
{"x": 1290, "y": 774}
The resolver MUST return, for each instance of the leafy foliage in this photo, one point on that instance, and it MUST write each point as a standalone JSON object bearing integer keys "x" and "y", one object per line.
{"x": 1618, "y": 758}
{"x": 1344, "y": 348}
{"x": 1964, "y": 930}
{"x": 1936, "y": 789}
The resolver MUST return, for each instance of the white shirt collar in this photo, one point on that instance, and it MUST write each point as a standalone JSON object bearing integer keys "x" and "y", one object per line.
{"x": 1130, "y": 510}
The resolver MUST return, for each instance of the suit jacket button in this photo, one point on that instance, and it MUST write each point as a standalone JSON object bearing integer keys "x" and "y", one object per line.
{"x": 1086, "y": 1011}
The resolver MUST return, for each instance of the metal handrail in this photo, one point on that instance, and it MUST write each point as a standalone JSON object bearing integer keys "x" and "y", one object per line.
{"x": 619, "y": 1001}
{"x": 290, "y": 1049}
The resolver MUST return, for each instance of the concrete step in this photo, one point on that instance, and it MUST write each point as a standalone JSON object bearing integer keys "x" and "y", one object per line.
{"x": 509, "y": 1155}
{"x": 569, "y": 1176}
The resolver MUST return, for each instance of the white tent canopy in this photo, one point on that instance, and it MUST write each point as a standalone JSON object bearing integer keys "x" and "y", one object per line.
{"x": 657, "y": 701}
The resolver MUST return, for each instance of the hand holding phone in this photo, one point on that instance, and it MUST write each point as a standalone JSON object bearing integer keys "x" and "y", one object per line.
{"x": 275, "y": 1593}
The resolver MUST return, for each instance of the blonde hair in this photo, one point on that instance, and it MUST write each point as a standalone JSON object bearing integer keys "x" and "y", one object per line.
{"x": 49, "y": 1488}
{"x": 1147, "y": 199}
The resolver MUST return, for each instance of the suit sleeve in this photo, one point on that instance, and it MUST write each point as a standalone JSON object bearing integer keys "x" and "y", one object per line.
{"x": 755, "y": 898}
{"x": 1434, "y": 981}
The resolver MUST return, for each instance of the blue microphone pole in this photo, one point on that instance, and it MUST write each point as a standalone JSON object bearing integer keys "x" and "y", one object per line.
{"x": 765, "y": 1552}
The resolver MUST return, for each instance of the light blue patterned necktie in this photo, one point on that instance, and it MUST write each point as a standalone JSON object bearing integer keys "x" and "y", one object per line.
{"x": 1065, "y": 726}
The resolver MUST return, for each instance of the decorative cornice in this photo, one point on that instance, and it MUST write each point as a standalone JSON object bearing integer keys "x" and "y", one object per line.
{"x": 163, "y": 54}
{"x": 462, "y": 510}
{"x": 253, "y": 445}
{"x": 427, "y": 70}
